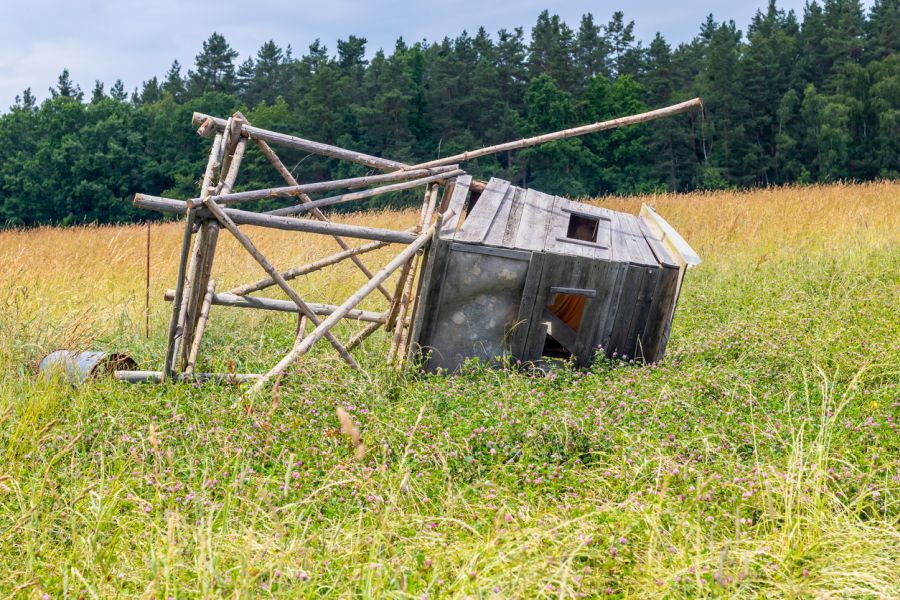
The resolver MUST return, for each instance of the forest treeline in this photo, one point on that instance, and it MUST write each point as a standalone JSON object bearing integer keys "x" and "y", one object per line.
{"x": 796, "y": 98}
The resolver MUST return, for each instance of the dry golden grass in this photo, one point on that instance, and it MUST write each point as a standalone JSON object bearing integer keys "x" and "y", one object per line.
{"x": 68, "y": 286}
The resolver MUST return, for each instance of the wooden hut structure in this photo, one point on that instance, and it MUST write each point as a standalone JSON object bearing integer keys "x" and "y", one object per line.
{"x": 506, "y": 268}
{"x": 519, "y": 273}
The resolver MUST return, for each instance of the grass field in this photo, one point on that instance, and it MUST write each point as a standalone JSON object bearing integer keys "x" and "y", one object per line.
{"x": 761, "y": 458}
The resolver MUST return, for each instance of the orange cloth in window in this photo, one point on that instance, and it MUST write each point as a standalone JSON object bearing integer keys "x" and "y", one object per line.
{"x": 569, "y": 308}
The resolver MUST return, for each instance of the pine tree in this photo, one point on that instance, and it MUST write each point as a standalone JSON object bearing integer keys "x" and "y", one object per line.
{"x": 117, "y": 91}
{"x": 620, "y": 40}
{"x": 551, "y": 51}
{"x": 591, "y": 49}
{"x": 883, "y": 29}
{"x": 97, "y": 95}
{"x": 151, "y": 91}
{"x": 174, "y": 84}
{"x": 66, "y": 88}
{"x": 214, "y": 66}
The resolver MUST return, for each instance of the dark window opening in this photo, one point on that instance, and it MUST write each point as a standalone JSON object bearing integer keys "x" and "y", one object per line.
{"x": 582, "y": 228}
{"x": 564, "y": 313}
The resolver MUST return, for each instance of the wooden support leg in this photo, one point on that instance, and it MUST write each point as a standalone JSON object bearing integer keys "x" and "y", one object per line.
{"x": 233, "y": 147}
{"x": 195, "y": 294}
{"x": 395, "y": 354}
{"x": 174, "y": 332}
{"x": 312, "y": 267}
{"x": 176, "y": 325}
{"x": 201, "y": 327}
{"x": 289, "y": 178}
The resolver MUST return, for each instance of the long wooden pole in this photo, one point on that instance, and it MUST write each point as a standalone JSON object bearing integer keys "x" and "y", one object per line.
{"x": 318, "y": 214}
{"x": 231, "y": 164}
{"x": 565, "y": 133}
{"x": 327, "y": 186}
{"x": 363, "y": 333}
{"x": 364, "y": 194}
{"x": 273, "y": 304}
{"x": 298, "y": 143}
{"x": 201, "y": 327}
{"x": 306, "y": 269}
{"x": 244, "y": 217}
{"x": 323, "y": 328}
{"x": 401, "y": 329}
{"x": 177, "y": 319}
{"x": 226, "y": 221}
{"x": 391, "y": 165}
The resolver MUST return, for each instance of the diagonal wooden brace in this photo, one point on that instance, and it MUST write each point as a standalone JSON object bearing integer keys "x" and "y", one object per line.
{"x": 289, "y": 178}
{"x": 226, "y": 222}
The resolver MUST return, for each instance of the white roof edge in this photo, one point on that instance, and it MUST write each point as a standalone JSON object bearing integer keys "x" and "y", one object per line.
{"x": 668, "y": 236}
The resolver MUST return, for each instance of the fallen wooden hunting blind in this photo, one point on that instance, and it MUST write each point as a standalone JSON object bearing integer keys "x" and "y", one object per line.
{"x": 507, "y": 271}
{"x": 538, "y": 277}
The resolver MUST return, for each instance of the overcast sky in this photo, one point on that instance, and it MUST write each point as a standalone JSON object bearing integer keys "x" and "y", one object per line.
{"x": 134, "y": 40}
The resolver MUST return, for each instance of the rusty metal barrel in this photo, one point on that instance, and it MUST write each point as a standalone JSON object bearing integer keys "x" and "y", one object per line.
{"x": 78, "y": 366}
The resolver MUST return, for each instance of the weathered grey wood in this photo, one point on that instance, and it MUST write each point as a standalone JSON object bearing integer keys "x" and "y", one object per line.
{"x": 655, "y": 334}
{"x": 312, "y": 267}
{"x": 606, "y": 324}
{"x": 290, "y": 180}
{"x": 201, "y": 327}
{"x": 558, "y": 240}
{"x": 641, "y": 315}
{"x": 243, "y": 217}
{"x": 477, "y": 223}
{"x": 323, "y": 328}
{"x": 361, "y": 195}
{"x": 535, "y": 222}
{"x": 560, "y": 331}
{"x": 491, "y": 250}
{"x": 274, "y": 304}
{"x": 515, "y": 216}
{"x": 620, "y": 342}
{"x": 171, "y": 346}
{"x": 159, "y": 376}
{"x": 274, "y": 274}
{"x": 429, "y": 292}
{"x": 525, "y": 317}
{"x": 601, "y": 279}
{"x": 292, "y": 191}
{"x": 662, "y": 254}
{"x": 176, "y": 325}
{"x": 668, "y": 111}
{"x": 234, "y": 146}
{"x": 298, "y": 143}
{"x": 637, "y": 243}
{"x": 500, "y": 224}
{"x": 456, "y": 205}
{"x": 401, "y": 329}
{"x": 209, "y": 237}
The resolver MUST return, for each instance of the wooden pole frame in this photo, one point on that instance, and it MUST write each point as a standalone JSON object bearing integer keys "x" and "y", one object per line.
{"x": 195, "y": 292}
{"x": 323, "y": 329}
{"x": 274, "y": 274}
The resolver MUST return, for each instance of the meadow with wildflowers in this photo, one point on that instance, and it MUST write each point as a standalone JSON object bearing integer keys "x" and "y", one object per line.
{"x": 760, "y": 458}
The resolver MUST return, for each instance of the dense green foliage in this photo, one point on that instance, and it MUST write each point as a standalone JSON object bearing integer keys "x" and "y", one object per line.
{"x": 790, "y": 100}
